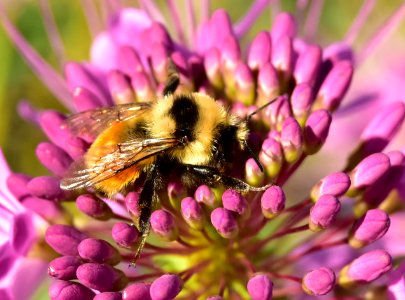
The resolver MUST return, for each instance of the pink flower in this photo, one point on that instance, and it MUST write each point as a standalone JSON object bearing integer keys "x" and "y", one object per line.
{"x": 20, "y": 230}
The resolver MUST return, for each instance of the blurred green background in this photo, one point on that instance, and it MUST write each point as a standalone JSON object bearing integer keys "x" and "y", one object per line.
{"x": 18, "y": 138}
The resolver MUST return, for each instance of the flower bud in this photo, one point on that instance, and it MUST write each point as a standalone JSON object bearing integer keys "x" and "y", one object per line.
{"x": 291, "y": 140}
{"x": 224, "y": 222}
{"x": 335, "y": 184}
{"x": 271, "y": 156}
{"x": 67, "y": 290}
{"x": 17, "y": 185}
{"x": 301, "y": 101}
{"x": 220, "y": 19}
{"x": 277, "y": 112}
{"x": 273, "y": 201}
{"x": 235, "y": 202}
{"x": 103, "y": 278}
{"x": 260, "y": 287}
{"x": 52, "y": 123}
{"x": 108, "y": 296}
{"x": 283, "y": 25}
{"x": 47, "y": 187}
{"x": 129, "y": 61}
{"x": 157, "y": 34}
{"x": 120, "y": 87}
{"x": 268, "y": 84}
{"x": 132, "y": 204}
{"x": 282, "y": 56}
{"x": 53, "y": 158}
{"x": 142, "y": 87}
{"x": 335, "y": 86}
{"x": 308, "y": 64}
{"x": 176, "y": 192}
{"x": 160, "y": 62}
{"x": 64, "y": 239}
{"x": 339, "y": 51}
{"x": 64, "y": 267}
{"x": 165, "y": 287}
{"x": 203, "y": 194}
{"x": 377, "y": 194}
{"x": 196, "y": 65}
{"x": 212, "y": 65}
{"x": 77, "y": 75}
{"x": 84, "y": 99}
{"x": 316, "y": 130}
{"x": 324, "y": 212}
{"x": 367, "y": 172}
{"x": 319, "y": 282}
{"x": 245, "y": 85}
{"x": 93, "y": 207}
{"x": 192, "y": 213}
{"x": 125, "y": 235}
{"x": 76, "y": 147}
{"x": 366, "y": 268}
{"x": 28, "y": 112}
{"x": 230, "y": 55}
{"x": 382, "y": 128}
{"x": 254, "y": 176}
{"x": 371, "y": 227}
{"x": 137, "y": 291}
{"x": 164, "y": 225}
{"x": 259, "y": 51}
{"x": 100, "y": 251}
{"x": 49, "y": 210}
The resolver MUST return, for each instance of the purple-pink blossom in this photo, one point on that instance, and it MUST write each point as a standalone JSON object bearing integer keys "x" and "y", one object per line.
{"x": 279, "y": 240}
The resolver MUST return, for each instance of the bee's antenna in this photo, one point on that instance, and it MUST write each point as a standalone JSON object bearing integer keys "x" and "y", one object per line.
{"x": 254, "y": 156}
{"x": 249, "y": 116}
{"x": 173, "y": 79}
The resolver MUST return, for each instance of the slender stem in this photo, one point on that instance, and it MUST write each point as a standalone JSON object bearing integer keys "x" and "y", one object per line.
{"x": 258, "y": 246}
{"x": 298, "y": 206}
{"x": 249, "y": 19}
{"x": 153, "y": 10}
{"x": 386, "y": 29}
{"x": 205, "y": 10}
{"x": 184, "y": 243}
{"x": 186, "y": 274}
{"x": 191, "y": 22}
{"x": 281, "y": 263}
{"x": 176, "y": 21}
{"x": 359, "y": 21}
{"x": 287, "y": 291}
{"x": 92, "y": 16}
{"x": 284, "y": 276}
{"x": 52, "y": 31}
{"x": 312, "y": 21}
{"x": 289, "y": 171}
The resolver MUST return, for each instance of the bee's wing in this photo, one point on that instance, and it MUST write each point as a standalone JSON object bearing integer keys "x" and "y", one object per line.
{"x": 118, "y": 158}
{"x": 93, "y": 122}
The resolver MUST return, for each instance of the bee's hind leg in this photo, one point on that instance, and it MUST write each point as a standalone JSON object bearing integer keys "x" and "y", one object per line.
{"x": 147, "y": 200}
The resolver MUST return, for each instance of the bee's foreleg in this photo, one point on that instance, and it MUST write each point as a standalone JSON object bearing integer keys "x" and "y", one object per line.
{"x": 211, "y": 176}
{"x": 147, "y": 199}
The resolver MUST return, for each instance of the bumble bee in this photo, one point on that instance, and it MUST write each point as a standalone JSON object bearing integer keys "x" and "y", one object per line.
{"x": 188, "y": 135}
